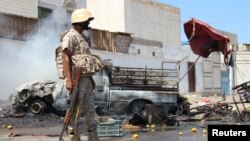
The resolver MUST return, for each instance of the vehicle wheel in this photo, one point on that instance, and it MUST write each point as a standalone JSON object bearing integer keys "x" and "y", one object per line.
{"x": 234, "y": 117}
{"x": 99, "y": 111}
{"x": 245, "y": 116}
{"x": 36, "y": 107}
{"x": 137, "y": 106}
{"x": 171, "y": 122}
{"x": 225, "y": 110}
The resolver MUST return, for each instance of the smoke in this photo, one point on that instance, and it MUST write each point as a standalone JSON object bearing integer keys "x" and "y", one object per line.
{"x": 25, "y": 61}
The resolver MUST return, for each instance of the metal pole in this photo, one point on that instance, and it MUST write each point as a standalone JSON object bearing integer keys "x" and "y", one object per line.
{"x": 187, "y": 71}
{"x": 233, "y": 69}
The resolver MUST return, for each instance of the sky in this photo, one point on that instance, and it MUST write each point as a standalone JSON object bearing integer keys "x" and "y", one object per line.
{"x": 227, "y": 15}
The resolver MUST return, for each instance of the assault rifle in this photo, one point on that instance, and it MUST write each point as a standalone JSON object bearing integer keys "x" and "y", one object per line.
{"x": 73, "y": 97}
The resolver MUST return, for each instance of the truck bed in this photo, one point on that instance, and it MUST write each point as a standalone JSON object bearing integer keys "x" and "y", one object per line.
{"x": 144, "y": 79}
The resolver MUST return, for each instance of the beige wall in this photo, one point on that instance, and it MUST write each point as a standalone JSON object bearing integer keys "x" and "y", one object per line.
{"x": 26, "y": 8}
{"x": 153, "y": 21}
{"x": 53, "y": 2}
{"x": 109, "y": 14}
{"x": 242, "y": 62}
{"x": 79, "y": 3}
{"x": 142, "y": 18}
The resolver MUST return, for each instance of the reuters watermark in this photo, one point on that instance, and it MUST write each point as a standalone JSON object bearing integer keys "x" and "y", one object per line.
{"x": 228, "y": 131}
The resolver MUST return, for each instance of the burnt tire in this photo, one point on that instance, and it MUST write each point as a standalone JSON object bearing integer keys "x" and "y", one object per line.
{"x": 245, "y": 116}
{"x": 137, "y": 106}
{"x": 36, "y": 107}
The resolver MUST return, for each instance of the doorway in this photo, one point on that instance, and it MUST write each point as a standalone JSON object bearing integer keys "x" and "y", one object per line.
{"x": 191, "y": 77}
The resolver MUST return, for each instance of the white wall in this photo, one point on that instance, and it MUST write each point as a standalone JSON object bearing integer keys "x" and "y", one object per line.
{"x": 212, "y": 74}
{"x": 79, "y": 3}
{"x": 153, "y": 21}
{"x": 184, "y": 84}
{"x": 26, "y": 8}
{"x": 59, "y": 8}
{"x": 146, "y": 50}
{"x": 109, "y": 14}
{"x": 242, "y": 62}
{"x": 129, "y": 60}
{"x": 53, "y": 2}
{"x": 185, "y": 55}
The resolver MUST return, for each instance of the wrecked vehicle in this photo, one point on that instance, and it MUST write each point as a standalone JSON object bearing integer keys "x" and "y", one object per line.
{"x": 127, "y": 90}
{"x": 38, "y": 97}
{"x": 119, "y": 91}
{"x": 150, "y": 95}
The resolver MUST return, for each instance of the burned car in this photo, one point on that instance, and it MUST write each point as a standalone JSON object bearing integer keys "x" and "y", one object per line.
{"x": 38, "y": 97}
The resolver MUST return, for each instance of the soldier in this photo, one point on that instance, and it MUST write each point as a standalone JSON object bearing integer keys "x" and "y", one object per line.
{"x": 75, "y": 43}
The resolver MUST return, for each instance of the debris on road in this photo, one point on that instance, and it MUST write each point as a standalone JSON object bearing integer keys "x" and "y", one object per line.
{"x": 135, "y": 136}
{"x": 9, "y": 127}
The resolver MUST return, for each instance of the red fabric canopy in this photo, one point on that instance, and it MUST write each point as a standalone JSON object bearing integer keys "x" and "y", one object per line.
{"x": 203, "y": 39}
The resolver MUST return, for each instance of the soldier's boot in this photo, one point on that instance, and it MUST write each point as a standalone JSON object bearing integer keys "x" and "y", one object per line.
{"x": 74, "y": 138}
{"x": 92, "y": 136}
{"x": 72, "y": 135}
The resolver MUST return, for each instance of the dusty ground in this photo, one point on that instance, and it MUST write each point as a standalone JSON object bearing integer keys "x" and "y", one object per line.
{"x": 26, "y": 123}
{"x": 45, "y": 127}
{"x": 32, "y": 128}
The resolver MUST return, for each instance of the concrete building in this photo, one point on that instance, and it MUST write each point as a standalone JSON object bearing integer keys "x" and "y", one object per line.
{"x": 242, "y": 63}
{"x": 210, "y": 75}
{"x": 134, "y": 33}
{"x": 145, "y": 19}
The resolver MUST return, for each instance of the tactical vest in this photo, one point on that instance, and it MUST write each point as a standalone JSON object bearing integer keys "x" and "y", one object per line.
{"x": 89, "y": 63}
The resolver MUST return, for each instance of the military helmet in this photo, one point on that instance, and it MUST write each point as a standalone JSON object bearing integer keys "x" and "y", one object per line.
{"x": 81, "y": 15}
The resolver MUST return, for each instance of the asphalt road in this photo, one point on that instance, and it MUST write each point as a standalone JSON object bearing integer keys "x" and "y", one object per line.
{"x": 175, "y": 133}
{"x": 48, "y": 127}
{"x": 51, "y": 132}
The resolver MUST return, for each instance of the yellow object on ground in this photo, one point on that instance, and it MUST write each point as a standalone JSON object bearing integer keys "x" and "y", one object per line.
{"x": 180, "y": 133}
{"x": 9, "y": 126}
{"x": 152, "y": 126}
{"x": 135, "y": 136}
{"x": 204, "y": 131}
{"x": 193, "y": 130}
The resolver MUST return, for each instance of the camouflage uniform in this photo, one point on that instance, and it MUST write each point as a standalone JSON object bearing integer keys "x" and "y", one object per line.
{"x": 78, "y": 44}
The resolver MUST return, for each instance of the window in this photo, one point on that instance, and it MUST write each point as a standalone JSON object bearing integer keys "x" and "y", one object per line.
{"x": 68, "y": 16}
{"x": 153, "y": 53}
{"x": 138, "y": 51}
{"x": 69, "y": 6}
{"x": 44, "y": 12}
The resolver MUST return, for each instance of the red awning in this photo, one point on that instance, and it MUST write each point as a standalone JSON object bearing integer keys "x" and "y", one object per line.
{"x": 203, "y": 39}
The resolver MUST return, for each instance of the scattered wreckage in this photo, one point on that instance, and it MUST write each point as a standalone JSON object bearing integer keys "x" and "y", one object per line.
{"x": 236, "y": 110}
{"x": 119, "y": 91}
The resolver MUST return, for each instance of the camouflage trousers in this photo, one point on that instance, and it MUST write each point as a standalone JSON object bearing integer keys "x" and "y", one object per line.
{"x": 84, "y": 107}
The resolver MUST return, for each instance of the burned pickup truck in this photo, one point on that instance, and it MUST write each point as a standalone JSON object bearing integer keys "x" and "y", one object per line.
{"x": 122, "y": 90}
{"x": 119, "y": 91}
